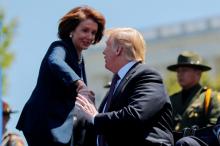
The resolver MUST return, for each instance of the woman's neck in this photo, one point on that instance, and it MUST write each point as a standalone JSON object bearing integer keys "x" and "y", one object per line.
{"x": 80, "y": 58}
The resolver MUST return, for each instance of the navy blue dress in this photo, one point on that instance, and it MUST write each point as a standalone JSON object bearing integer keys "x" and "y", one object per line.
{"x": 54, "y": 95}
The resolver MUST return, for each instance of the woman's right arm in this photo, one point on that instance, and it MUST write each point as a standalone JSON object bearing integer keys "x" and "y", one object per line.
{"x": 65, "y": 73}
{"x": 60, "y": 68}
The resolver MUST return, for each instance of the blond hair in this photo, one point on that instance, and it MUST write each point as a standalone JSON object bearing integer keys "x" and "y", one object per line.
{"x": 131, "y": 40}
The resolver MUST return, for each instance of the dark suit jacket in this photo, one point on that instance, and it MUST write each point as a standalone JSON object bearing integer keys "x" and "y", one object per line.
{"x": 140, "y": 112}
{"x": 53, "y": 97}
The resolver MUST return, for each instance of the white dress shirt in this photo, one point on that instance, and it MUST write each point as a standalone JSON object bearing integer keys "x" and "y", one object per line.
{"x": 121, "y": 73}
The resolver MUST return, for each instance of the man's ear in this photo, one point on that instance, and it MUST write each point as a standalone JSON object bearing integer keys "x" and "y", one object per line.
{"x": 119, "y": 50}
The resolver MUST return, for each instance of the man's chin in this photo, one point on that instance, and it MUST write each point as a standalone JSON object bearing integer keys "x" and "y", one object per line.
{"x": 106, "y": 66}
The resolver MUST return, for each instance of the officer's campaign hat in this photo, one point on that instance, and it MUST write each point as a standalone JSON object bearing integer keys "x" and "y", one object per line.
{"x": 189, "y": 59}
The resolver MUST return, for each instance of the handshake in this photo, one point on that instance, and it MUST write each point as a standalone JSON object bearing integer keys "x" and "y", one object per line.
{"x": 83, "y": 112}
{"x": 85, "y": 103}
{"x": 86, "y": 108}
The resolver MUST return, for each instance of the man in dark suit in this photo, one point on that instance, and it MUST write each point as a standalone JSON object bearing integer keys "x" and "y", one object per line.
{"x": 137, "y": 110}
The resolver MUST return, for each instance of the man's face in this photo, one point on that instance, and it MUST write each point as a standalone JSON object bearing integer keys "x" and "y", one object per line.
{"x": 187, "y": 76}
{"x": 110, "y": 55}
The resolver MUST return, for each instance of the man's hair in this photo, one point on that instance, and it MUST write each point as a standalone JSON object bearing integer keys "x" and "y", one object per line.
{"x": 131, "y": 40}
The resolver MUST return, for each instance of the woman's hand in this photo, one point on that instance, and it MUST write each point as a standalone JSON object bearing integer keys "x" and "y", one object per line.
{"x": 84, "y": 90}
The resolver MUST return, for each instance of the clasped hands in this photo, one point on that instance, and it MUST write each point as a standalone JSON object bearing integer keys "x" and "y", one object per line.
{"x": 84, "y": 91}
{"x": 85, "y": 100}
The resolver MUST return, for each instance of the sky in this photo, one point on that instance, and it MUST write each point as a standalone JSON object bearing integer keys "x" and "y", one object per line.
{"x": 38, "y": 21}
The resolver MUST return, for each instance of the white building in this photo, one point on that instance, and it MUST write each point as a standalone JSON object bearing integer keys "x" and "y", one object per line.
{"x": 164, "y": 45}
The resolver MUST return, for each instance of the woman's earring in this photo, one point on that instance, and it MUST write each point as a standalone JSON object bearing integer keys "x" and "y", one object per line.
{"x": 70, "y": 35}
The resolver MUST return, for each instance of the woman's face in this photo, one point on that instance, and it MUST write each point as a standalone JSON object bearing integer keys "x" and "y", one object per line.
{"x": 84, "y": 34}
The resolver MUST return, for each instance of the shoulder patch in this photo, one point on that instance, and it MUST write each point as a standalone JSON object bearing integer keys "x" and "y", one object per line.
{"x": 218, "y": 97}
{"x": 207, "y": 99}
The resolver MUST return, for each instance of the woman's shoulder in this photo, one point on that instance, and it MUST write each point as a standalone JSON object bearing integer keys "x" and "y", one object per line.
{"x": 58, "y": 43}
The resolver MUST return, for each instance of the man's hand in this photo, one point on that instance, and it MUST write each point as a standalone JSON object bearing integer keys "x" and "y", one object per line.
{"x": 87, "y": 107}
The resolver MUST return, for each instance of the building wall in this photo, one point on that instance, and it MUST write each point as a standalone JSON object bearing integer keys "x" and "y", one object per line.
{"x": 164, "y": 44}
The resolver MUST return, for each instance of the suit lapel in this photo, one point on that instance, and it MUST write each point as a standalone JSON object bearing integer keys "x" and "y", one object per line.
{"x": 102, "y": 103}
{"x": 124, "y": 82}
{"x": 120, "y": 87}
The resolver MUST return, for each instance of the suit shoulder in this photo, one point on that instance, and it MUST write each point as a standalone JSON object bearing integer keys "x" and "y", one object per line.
{"x": 146, "y": 72}
{"x": 175, "y": 96}
{"x": 149, "y": 69}
{"x": 58, "y": 43}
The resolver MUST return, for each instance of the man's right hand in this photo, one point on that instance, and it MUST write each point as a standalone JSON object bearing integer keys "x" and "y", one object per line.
{"x": 86, "y": 107}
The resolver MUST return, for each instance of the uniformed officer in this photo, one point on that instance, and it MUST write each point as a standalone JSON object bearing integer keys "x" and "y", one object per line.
{"x": 194, "y": 105}
{"x": 9, "y": 138}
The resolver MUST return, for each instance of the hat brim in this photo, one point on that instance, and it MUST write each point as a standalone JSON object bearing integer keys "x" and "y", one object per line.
{"x": 197, "y": 66}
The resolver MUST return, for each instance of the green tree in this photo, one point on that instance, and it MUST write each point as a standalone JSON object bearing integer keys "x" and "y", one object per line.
{"x": 6, "y": 38}
{"x": 172, "y": 85}
{"x": 211, "y": 81}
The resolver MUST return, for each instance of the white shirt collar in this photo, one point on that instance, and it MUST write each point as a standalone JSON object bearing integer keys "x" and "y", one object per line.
{"x": 122, "y": 72}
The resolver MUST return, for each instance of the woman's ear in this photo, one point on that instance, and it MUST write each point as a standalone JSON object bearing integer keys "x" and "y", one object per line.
{"x": 71, "y": 35}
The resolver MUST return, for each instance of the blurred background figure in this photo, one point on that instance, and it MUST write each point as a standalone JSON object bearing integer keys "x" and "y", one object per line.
{"x": 195, "y": 105}
{"x": 9, "y": 138}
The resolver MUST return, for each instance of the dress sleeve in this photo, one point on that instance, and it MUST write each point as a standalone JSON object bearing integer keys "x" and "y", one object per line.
{"x": 60, "y": 68}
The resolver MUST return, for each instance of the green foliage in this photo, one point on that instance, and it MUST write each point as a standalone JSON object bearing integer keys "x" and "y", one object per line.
{"x": 208, "y": 80}
{"x": 6, "y": 38}
{"x": 171, "y": 83}
{"x": 211, "y": 81}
